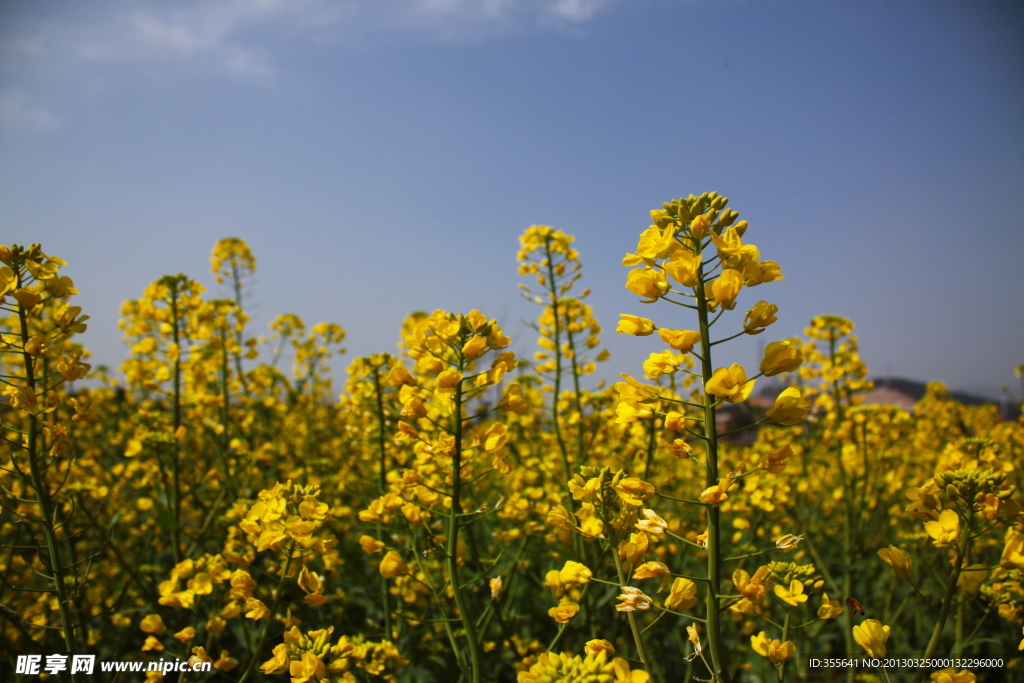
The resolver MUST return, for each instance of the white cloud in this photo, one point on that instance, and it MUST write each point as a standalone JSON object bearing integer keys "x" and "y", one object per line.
{"x": 28, "y": 45}
{"x": 239, "y": 39}
{"x": 18, "y": 110}
{"x": 501, "y": 14}
{"x": 176, "y": 36}
{"x": 211, "y": 36}
{"x": 503, "y": 10}
{"x": 474, "y": 19}
{"x": 231, "y": 35}
{"x": 207, "y": 37}
{"x": 576, "y": 10}
{"x": 465, "y": 9}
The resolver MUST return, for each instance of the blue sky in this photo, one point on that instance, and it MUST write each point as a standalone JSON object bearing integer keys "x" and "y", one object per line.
{"x": 382, "y": 156}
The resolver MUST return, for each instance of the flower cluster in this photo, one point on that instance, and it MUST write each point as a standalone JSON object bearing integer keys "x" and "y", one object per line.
{"x": 454, "y": 512}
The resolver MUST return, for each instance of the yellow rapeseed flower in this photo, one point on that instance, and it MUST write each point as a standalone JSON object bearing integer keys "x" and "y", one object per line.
{"x": 945, "y": 530}
{"x": 370, "y": 545}
{"x": 634, "y": 491}
{"x": 186, "y": 634}
{"x": 781, "y": 356}
{"x": 309, "y": 669}
{"x": 790, "y": 408}
{"x": 971, "y": 578}
{"x": 898, "y": 560}
{"x": 664, "y": 363}
{"x": 730, "y": 383}
{"x": 776, "y": 651}
{"x": 634, "y": 325}
{"x": 680, "y": 340}
{"x": 683, "y": 266}
{"x": 594, "y": 647}
{"x": 693, "y": 635}
{"x": 830, "y": 609}
{"x": 775, "y": 461}
{"x": 633, "y": 599}
{"x": 655, "y": 242}
{"x": 651, "y": 570}
{"x": 152, "y": 645}
{"x": 513, "y": 401}
{"x": 682, "y": 595}
{"x": 256, "y": 609}
{"x": 679, "y": 448}
{"x": 648, "y": 283}
{"x": 652, "y": 523}
{"x": 871, "y": 635}
{"x": 675, "y": 421}
{"x": 574, "y": 572}
{"x": 715, "y": 495}
{"x": 760, "y": 316}
{"x": 153, "y": 623}
{"x": 564, "y": 611}
{"x": 793, "y": 595}
{"x": 727, "y": 287}
{"x": 1013, "y": 552}
{"x": 753, "y": 588}
{"x": 392, "y": 565}
{"x": 951, "y": 675}
{"x": 225, "y": 662}
{"x": 553, "y": 580}
{"x": 199, "y": 655}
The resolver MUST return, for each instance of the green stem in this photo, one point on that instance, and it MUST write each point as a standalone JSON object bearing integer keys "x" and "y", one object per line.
{"x": 175, "y": 476}
{"x": 447, "y": 623}
{"x": 382, "y": 485}
{"x": 236, "y": 280}
{"x": 453, "y": 539}
{"x": 228, "y": 484}
{"x": 265, "y": 633}
{"x": 785, "y": 636}
{"x": 637, "y": 637}
{"x": 847, "y": 510}
{"x": 933, "y": 642}
{"x": 714, "y": 543}
{"x": 557, "y": 389}
{"x": 43, "y": 496}
{"x": 651, "y": 447}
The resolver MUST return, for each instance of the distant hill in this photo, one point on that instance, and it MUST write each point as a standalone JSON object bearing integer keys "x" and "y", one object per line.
{"x": 895, "y": 391}
{"x": 916, "y": 390}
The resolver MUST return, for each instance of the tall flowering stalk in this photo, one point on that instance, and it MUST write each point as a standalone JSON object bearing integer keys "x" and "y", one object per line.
{"x": 449, "y": 351}
{"x": 163, "y": 325}
{"x": 37, "y": 359}
{"x": 841, "y": 375}
{"x": 232, "y": 262}
{"x": 958, "y": 507}
{"x": 366, "y": 392}
{"x": 672, "y": 264}
{"x": 567, "y": 331}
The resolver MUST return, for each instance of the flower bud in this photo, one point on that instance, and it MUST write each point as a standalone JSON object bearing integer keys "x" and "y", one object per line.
{"x": 634, "y": 325}
{"x": 700, "y": 226}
